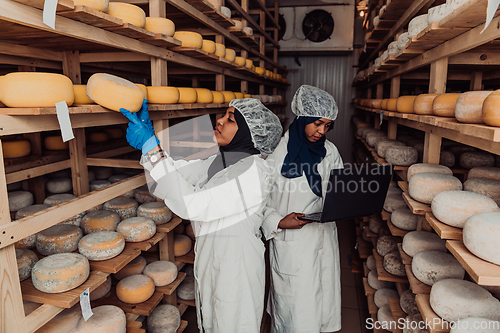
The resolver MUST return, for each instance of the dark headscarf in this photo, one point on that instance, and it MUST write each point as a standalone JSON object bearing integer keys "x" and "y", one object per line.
{"x": 241, "y": 146}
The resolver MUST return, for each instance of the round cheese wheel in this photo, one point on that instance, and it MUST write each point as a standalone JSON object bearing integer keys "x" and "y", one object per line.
{"x": 386, "y": 244}
{"x": 208, "y": 46}
{"x": 376, "y": 103}
{"x": 124, "y": 207}
{"x": 260, "y": 70}
{"x": 484, "y": 172}
{"x": 469, "y": 107}
{"x": 59, "y": 238}
{"x": 375, "y": 223}
{"x": 160, "y": 25}
{"x": 238, "y": 25}
{"x": 163, "y": 95}
{"x": 446, "y": 158}
{"x": 417, "y": 24}
{"x": 218, "y": 97}
{"x": 393, "y": 202}
{"x": 101, "y": 220}
{"x": 454, "y": 299}
{"x": 238, "y": 95}
{"x": 472, "y": 159}
{"x": 426, "y": 168}
{"x": 382, "y": 146}
{"x": 128, "y": 13}
{"x": 16, "y": 149}
{"x": 404, "y": 219}
{"x": 230, "y": 54}
{"x": 485, "y": 186}
{"x": 458, "y": 150}
{"x": 30, "y": 241}
{"x": 383, "y": 105}
{"x": 455, "y": 207}
{"x": 424, "y": 186}
{"x": 189, "y": 39}
{"x": 408, "y": 303}
{"x": 101, "y": 245}
{"x": 113, "y": 92}
{"x": 162, "y": 272}
{"x": 26, "y": 259}
{"x": 145, "y": 92}
{"x": 164, "y": 316}
{"x": 135, "y": 289}
{"x": 55, "y": 143}
{"x": 100, "y": 5}
{"x": 385, "y": 318}
{"x": 57, "y": 199}
{"x": 228, "y": 96}
{"x": 393, "y": 264}
{"x": 187, "y": 95}
{"x": 59, "y": 185}
{"x": 155, "y": 211}
{"x": 204, "y": 95}
{"x": 405, "y": 104}
{"x": 240, "y": 61}
{"x": 248, "y": 63}
{"x": 220, "y": 50}
{"x": 481, "y": 232}
{"x": 186, "y": 290}
{"x": 381, "y": 296}
{"x": 438, "y": 12}
{"x": 102, "y": 173}
{"x": 401, "y": 155}
{"x": 136, "y": 229}
{"x": 371, "y": 263}
{"x": 476, "y": 325}
{"x": 430, "y": 267}
{"x": 65, "y": 321}
{"x": 81, "y": 94}
{"x": 105, "y": 319}
{"x": 142, "y": 195}
{"x": 248, "y": 31}
{"x": 418, "y": 241}
{"x": 182, "y": 245}
{"x": 490, "y": 110}
{"x": 225, "y": 11}
{"x": 423, "y": 104}
{"x": 190, "y": 231}
{"x": 392, "y": 104}
{"x": 60, "y": 272}
{"x": 136, "y": 266}
{"x": 403, "y": 40}
{"x": 19, "y": 199}
{"x": 102, "y": 290}
{"x": 373, "y": 137}
{"x": 98, "y": 137}
{"x": 97, "y": 184}
{"x": 444, "y": 105}
{"x": 414, "y": 323}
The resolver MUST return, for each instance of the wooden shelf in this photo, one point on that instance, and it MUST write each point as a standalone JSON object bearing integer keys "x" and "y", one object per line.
{"x": 170, "y": 288}
{"x": 147, "y": 244}
{"x": 368, "y": 290}
{"x": 404, "y": 257}
{"x": 383, "y": 275}
{"x": 437, "y": 325}
{"x": 372, "y": 308}
{"x": 183, "y": 326}
{"x": 416, "y": 286}
{"x": 370, "y": 233}
{"x": 443, "y": 230}
{"x": 395, "y": 231}
{"x": 186, "y": 302}
{"x": 188, "y": 258}
{"x": 113, "y": 265}
{"x": 416, "y": 207}
{"x": 364, "y": 248}
{"x": 403, "y": 185}
{"x": 170, "y": 225}
{"x": 397, "y": 312}
{"x": 143, "y": 309}
{"x": 182, "y": 308}
{"x": 386, "y": 216}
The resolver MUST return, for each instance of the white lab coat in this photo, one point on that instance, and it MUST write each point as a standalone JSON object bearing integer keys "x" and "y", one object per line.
{"x": 227, "y": 213}
{"x": 305, "y": 263}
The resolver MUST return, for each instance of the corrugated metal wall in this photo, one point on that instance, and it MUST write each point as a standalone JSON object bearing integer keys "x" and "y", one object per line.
{"x": 334, "y": 74}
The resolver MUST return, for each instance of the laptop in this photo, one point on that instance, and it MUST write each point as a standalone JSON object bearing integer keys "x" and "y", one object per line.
{"x": 354, "y": 192}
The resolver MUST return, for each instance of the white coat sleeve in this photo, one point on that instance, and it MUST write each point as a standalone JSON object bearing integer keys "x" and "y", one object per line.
{"x": 271, "y": 216}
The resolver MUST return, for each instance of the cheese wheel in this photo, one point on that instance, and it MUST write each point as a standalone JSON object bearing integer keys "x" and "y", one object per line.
{"x": 260, "y": 70}
{"x": 189, "y": 39}
{"x": 385, "y": 318}
{"x": 136, "y": 229}
{"x": 393, "y": 264}
{"x": 403, "y": 40}
{"x": 164, "y": 316}
{"x": 142, "y": 195}
{"x": 404, "y": 219}
{"x": 376, "y": 103}
{"x": 218, "y": 97}
{"x": 163, "y": 95}
{"x": 381, "y": 296}
{"x": 230, "y": 54}
{"x": 426, "y": 168}
{"x": 187, "y": 95}
{"x": 60, "y": 272}
{"x": 190, "y": 232}
{"x": 446, "y": 158}
{"x": 182, "y": 245}
{"x": 29, "y": 241}
{"x": 98, "y": 137}
{"x": 19, "y": 199}
{"x": 97, "y": 184}
{"x": 386, "y": 244}
{"x": 101, "y": 245}
{"x": 414, "y": 323}
{"x": 55, "y": 143}
{"x": 240, "y": 61}
{"x": 424, "y": 186}
{"x": 238, "y": 25}
{"x": 26, "y": 259}
{"x": 370, "y": 137}
{"x": 370, "y": 263}
{"x": 490, "y": 109}
{"x": 136, "y": 266}
{"x": 59, "y": 185}
{"x": 59, "y": 238}
{"x": 135, "y": 289}
{"x": 417, "y": 24}
{"x": 102, "y": 290}
{"x": 225, "y": 11}
{"x": 208, "y": 46}
{"x": 228, "y": 96}
{"x": 248, "y": 63}
{"x": 458, "y": 150}
{"x": 430, "y": 267}
{"x": 484, "y": 172}
{"x": 408, "y": 303}
{"x": 481, "y": 232}
{"x": 105, "y": 319}
{"x": 394, "y": 201}
{"x": 145, "y": 92}
{"x": 81, "y": 94}
{"x": 418, "y": 241}
{"x": 401, "y": 155}
{"x": 444, "y": 105}
{"x": 101, "y": 220}
{"x": 247, "y": 96}
{"x": 186, "y": 290}
{"x": 382, "y": 145}
{"x": 238, "y": 95}
{"x": 57, "y": 199}
{"x": 65, "y": 321}
{"x": 220, "y": 50}
{"x": 392, "y": 104}
{"x": 100, "y": 5}
{"x": 204, "y": 95}
{"x": 454, "y": 299}
{"x": 404, "y": 104}
{"x": 455, "y": 207}
{"x": 102, "y": 173}
{"x": 435, "y": 14}
{"x": 155, "y": 211}
{"x": 160, "y": 25}
{"x": 375, "y": 224}
{"x": 469, "y": 107}
{"x": 162, "y": 272}
{"x": 423, "y": 104}
{"x": 472, "y": 159}
{"x": 16, "y": 149}
{"x": 128, "y": 13}
{"x": 124, "y": 207}
{"x": 113, "y": 92}
{"x": 476, "y": 325}
{"x": 484, "y": 186}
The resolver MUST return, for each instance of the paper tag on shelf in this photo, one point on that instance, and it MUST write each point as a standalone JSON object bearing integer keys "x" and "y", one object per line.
{"x": 85, "y": 304}
{"x": 381, "y": 117}
{"x": 64, "y": 121}
{"x": 49, "y": 13}
{"x": 490, "y": 12}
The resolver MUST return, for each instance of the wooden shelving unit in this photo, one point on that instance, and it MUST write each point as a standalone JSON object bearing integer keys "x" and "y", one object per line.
{"x": 438, "y": 325}
{"x": 443, "y": 230}
{"x": 383, "y": 275}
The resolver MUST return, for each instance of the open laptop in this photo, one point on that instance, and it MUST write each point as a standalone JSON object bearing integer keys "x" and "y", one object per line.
{"x": 354, "y": 192}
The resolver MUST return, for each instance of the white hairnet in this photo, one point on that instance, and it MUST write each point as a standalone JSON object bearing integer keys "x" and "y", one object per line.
{"x": 265, "y": 126}
{"x": 310, "y": 101}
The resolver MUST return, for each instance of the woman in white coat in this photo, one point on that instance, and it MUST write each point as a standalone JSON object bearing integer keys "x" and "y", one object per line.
{"x": 305, "y": 264}
{"x": 224, "y": 196}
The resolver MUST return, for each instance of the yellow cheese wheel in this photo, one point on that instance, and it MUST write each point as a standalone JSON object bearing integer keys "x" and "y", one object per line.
{"x": 469, "y": 107}
{"x": 55, "y": 143}
{"x": 391, "y": 104}
{"x": 204, "y": 95}
{"x": 376, "y": 103}
{"x": 163, "y": 95}
{"x": 26, "y": 259}
{"x": 101, "y": 245}
{"x": 220, "y": 50}
{"x": 230, "y": 54}
{"x": 60, "y": 272}
{"x": 98, "y": 137}
{"x": 102, "y": 290}
{"x": 190, "y": 231}
{"x": 248, "y": 63}
{"x": 187, "y": 95}
{"x": 100, "y": 220}
{"x": 35, "y": 90}
{"x": 135, "y": 289}
{"x": 113, "y": 92}
{"x": 105, "y": 319}
{"x": 247, "y": 96}
{"x": 136, "y": 266}
{"x": 59, "y": 238}
{"x": 383, "y": 105}
{"x": 15, "y": 149}
{"x": 144, "y": 89}
{"x": 156, "y": 211}
{"x": 240, "y": 61}
{"x": 189, "y": 39}
{"x": 100, "y": 5}
{"x": 160, "y": 25}
{"x": 238, "y": 95}
{"x": 128, "y": 13}
{"x": 136, "y": 229}
{"x": 491, "y": 109}
{"x": 444, "y": 105}
{"x": 114, "y": 133}
{"x": 405, "y": 104}
{"x": 260, "y": 70}
{"x": 208, "y": 46}
{"x": 65, "y": 321}
{"x": 81, "y": 94}
{"x": 162, "y": 272}
{"x": 423, "y": 104}
{"x": 228, "y": 96}
{"x": 182, "y": 245}
{"x": 267, "y": 73}
{"x": 218, "y": 97}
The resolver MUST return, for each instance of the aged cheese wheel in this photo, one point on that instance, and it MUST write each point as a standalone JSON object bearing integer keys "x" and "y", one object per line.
{"x": 204, "y": 95}
{"x": 383, "y": 105}
{"x": 81, "y": 94}
{"x": 57, "y": 199}
{"x": 376, "y": 103}
{"x": 226, "y": 11}
{"x": 59, "y": 238}
{"x": 446, "y": 158}
{"x": 405, "y": 104}
{"x": 163, "y": 95}
{"x": 418, "y": 241}
{"x": 128, "y": 13}
{"x": 106, "y": 319}
{"x": 484, "y": 172}
{"x": 228, "y": 96}
{"x": 136, "y": 266}
{"x": 424, "y": 186}
{"x": 160, "y": 25}
{"x": 136, "y": 229}
{"x": 469, "y": 107}
{"x": 476, "y": 325}
{"x": 481, "y": 232}
{"x": 423, "y": 104}
{"x": 145, "y": 92}
{"x": 386, "y": 244}
{"x": 30, "y": 241}
{"x": 403, "y": 40}
{"x": 65, "y": 321}
{"x": 101, "y": 220}
{"x": 417, "y": 24}
{"x": 240, "y": 61}
{"x": 491, "y": 109}
{"x": 218, "y": 97}
{"x": 458, "y": 150}
{"x": 414, "y": 323}
{"x": 220, "y": 50}
{"x": 408, "y": 303}
{"x": 392, "y": 104}
{"x": 373, "y": 137}
{"x": 248, "y": 31}
{"x": 162, "y": 272}
{"x": 426, "y": 168}
{"x": 164, "y": 316}
{"x": 124, "y": 207}
{"x": 155, "y": 211}
{"x": 208, "y": 46}
{"x": 142, "y": 195}
{"x": 113, "y": 92}
{"x": 472, "y": 159}
{"x": 385, "y": 318}
{"x": 455, "y": 207}
{"x": 375, "y": 223}
{"x": 230, "y": 54}
{"x": 404, "y": 219}
{"x": 135, "y": 289}
{"x": 19, "y": 199}
{"x": 393, "y": 264}
{"x": 182, "y": 245}
{"x": 485, "y": 186}
{"x": 102, "y": 290}
{"x": 238, "y": 95}
{"x": 189, "y": 38}
{"x": 187, "y": 95}
{"x": 98, "y": 137}
{"x": 190, "y": 231}
{"x": 371, "y": 263}
{"x": 382, "y": 146}
{"x": 381, "y": 296}
{"x": 59, "y": 185}
{"x": 26, "y": 259}
{"x": 260, "y": 70}
{"x": 186, "y": 290}
{"x": 55, "y": 143}
{"x": 430, "y": 267}
{"x": 444, "y": 105}
{"x": 248, "y": 63}
{"x": 97, "y": 184}
{"x": 454, "y": 299}
{"x": 102, "y": 173}
{"x": 60, "y": 272}
{"x": 101, "y": 245}
{"x": 16, "y": 149}
{"x": 401, "y": 155}
{"x": 394, "y": 201}
{"x": 238, "y": 25}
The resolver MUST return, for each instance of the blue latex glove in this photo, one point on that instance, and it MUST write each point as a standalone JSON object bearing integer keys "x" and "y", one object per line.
{"x": 140, "y": 131}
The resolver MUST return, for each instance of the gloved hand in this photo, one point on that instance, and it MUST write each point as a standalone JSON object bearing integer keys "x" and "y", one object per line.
{"x": 140, "y": 131}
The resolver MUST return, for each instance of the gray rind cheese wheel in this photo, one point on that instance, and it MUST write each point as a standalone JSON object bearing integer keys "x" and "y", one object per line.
{"x": 377, "y": 284}
{"x": 97, "y": 184}
{"x": 105, "y": 319}
{"x": 186, "y": 290}
{"x": 476, "y": 325}
{"x": 453, "y": 299}
{"x": 386, "y": 244}
{"x": 101, "y": 220}
{"x": 142, "y": 195}
{"x": 374, "y": 137}
{"x": 382, "y": 146}
{"x": 426, "y": 168}
{"x": 30, "y": 241}
{"x": 102, "y": 290}
{"x": 469, "y": 160}
{"x": 19, "y": 199}
{"x": 469, "y": 106}
{"x": 414, "y": 323}
{"x": 59, "y": 185}
{"x": 102, "y": 173}
{"x": 401, "y": 155}
{"x": 363, "y": 130}
{"x": 136, "y": 229}
{"x": 404, "y": 219}
{"x": 375, "y": 224}
{"x": 430, "y": 267}
{"x": 163, "y": 316}
{"x": 484, "y": 172}
{"x": 417, "y": 241}
{"x": 371, "y": 263}
{"x": 381, "y": 296}
{"x": 101, "y": 245}
{"x": 385, "y": 318}
{"x": 124, "y": 207}
{"x": 455, "y": 207}
{"x": 424, "y": 186}
{"x": 417, "y": 24}
{"x": 26, "y": 259}
{"x": 157, "y": 211}
{"x": 447, "y": 159}
{"x": 481, "y": 236}
{"x": 486, "y": 186}
{"x": 393, "y": 264}
{"x": 393, "y": 202}
{"x": 60, "y": 238}
{"x": 57, "y": 199}
{"x": 457, "y": 150}
{"x": 371, "y": 130}
{"x": 408, "y": 303}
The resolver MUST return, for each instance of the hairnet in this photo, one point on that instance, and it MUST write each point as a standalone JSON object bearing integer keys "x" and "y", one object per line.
{"x": 313, "y": 102}
{"x": 264, "y": 125}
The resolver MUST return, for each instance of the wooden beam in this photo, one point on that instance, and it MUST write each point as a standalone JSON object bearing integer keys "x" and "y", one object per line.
{"x": 78, "y": 158}
{"x": 40, "y": 316}
{"x": 22, "y": 61}
{"x": 31, "y": 52}
{"x": 475, "y": 58}
{"x": 71, "y": 66}
{"x": 395, "y": 86}
{"x": 158, "y": 72}
{"x": 438, "y": 76}
{"x": 113, "y": 57}
{"x": 37, "y": 171}
{"x": 114, "y": 163}
{"x": 432, "y": 148}
{"x": 491, "y": 75}
{"x": 380, "y": 91}
{"x": 476, "y": 81}
{"x": 268, "y": 14}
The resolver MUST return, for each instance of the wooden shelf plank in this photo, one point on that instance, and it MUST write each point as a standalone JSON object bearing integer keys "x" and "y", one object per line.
{"x": 113, "y": 265}
{"x": 144, "y": 308}
{"x": 132, "y": 31}
{"x": 92, "y": 17}
{"x": 62, "y": 5}
{"x": 469, "y": 15}
{"x": 444, "y": 231}
{"x": 416, "y": 286}
{"x": 386, "y": 216}
{"x": 135, "y": 330}
{"x": 372, "y": 308}
{"x": 403, "y": 185}
{"x": 182, "y": 308}
{"x": 437, "y": 325}
{"x": 416, "y": 207}
{"x": 183, "y": 326}
{"x": 170, "y": 288}
{"x": 397, "y": 313}
{"x": 395, "y": 231}
{"x": 170, "y": 225}
{"x": 188, "y": 258}
{"x": 364, "y": 248}
{"x": 404, "y": 257}
{"x": 186, "y": 302}
{"x": 368, "y": 290}
{"x": 383, "y": 275}
{"x": 147, "y": 244}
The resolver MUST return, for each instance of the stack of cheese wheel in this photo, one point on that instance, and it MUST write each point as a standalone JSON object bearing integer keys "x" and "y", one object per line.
{"x": 124, "y": 207}
{"x": 430, "y": 267}
{"x": 423, "y": 104}
{"x": 189, "y": 39}
{"x": 135, "y": 289}
{"x": 128, "y": 13}
{"x": 60, "y": 238}
{"x": 101, "y": 220}
{"x": 160, "y": 25}
{"x": 101, "y": 291}
{"x": 142, "y": 195}
{"x": 208, "y": 46}
{"x": 469, "y": 107}
{"x": 220, "y": 50}
{"x": 187, "y": 95}
{"x": 30, "y": 241}
{"x": 444, "y": 105}
{"x": 26, "y": 259}
{"x": 57, "y": 199}
{"x": 164, "y": 318}
{"x": 101, "y": 245}
{"x": 136, "y": 229}
{"x": 182, "y": 245}
{"x": 155, "y": 211}
{"x": 55, "y": 142}
{"x": 485, "y": 186}
{"x": 162, "y": 272}
{"x": 418, "y": 241}
{"x": 204, "y": 95}
{"x": 16, "y": 148}
{"x": 81, "y": 94}
{"x": 424, "y": 186}
{"x": 480, "y": 236}
{"x": 163, "y": 95}
{"x": 136, "y": 266}
{"x": 19, "y": 199}
{"x": 59, "y": 185}
{"x": 218, "y": 97}
{"x": 113, "y": 92}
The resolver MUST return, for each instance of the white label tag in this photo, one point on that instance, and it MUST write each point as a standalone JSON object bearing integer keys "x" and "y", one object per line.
{"x": 381, "y": 117}
{"x": 49, "y": 13}
{"x": 64, "y": 121}
{"x": 490, "y": 12}
{"x": 85, "y": 305}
